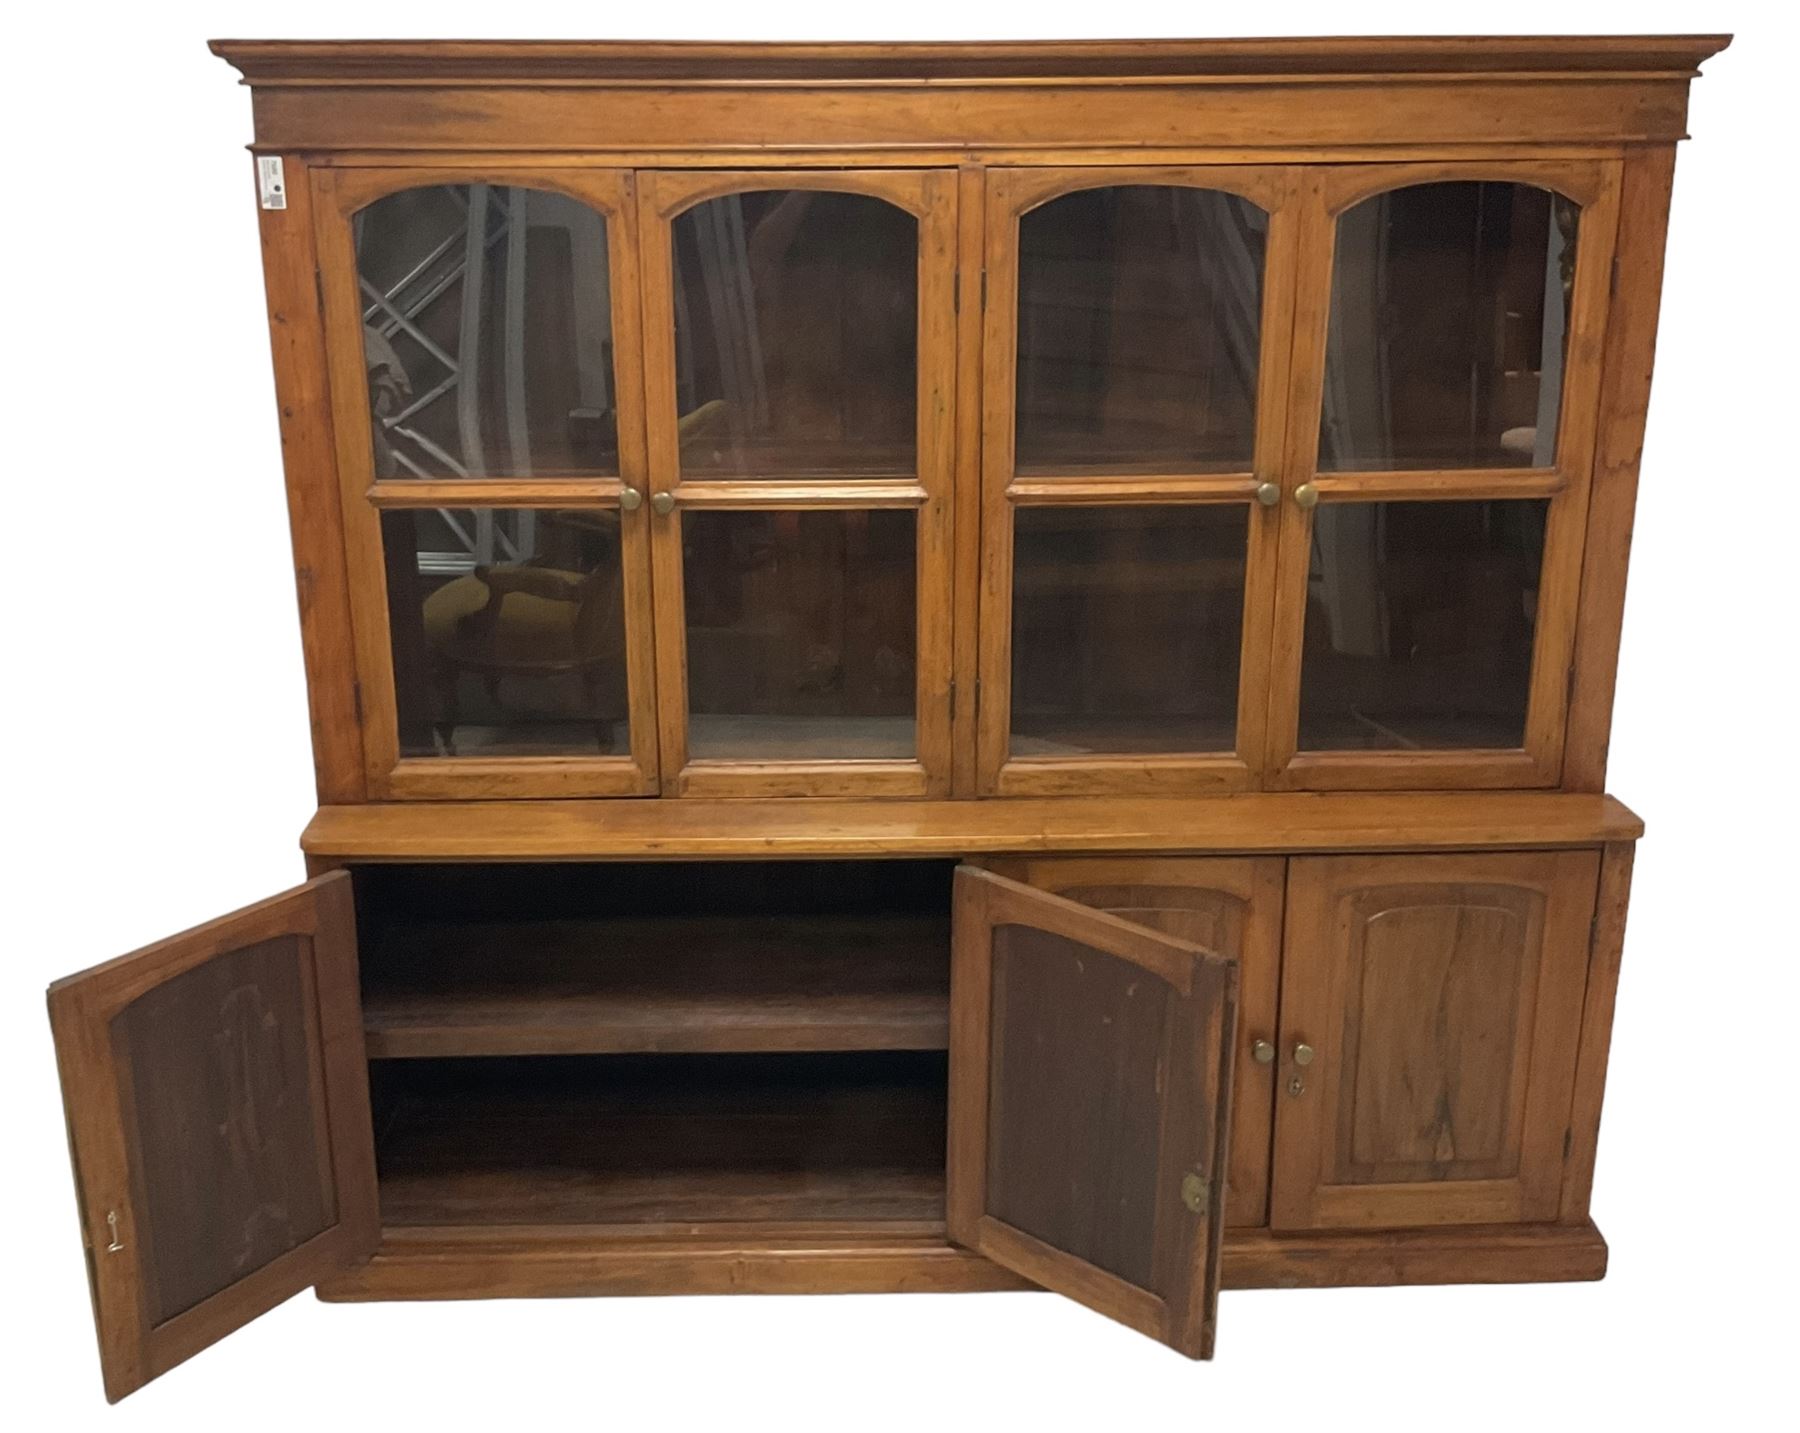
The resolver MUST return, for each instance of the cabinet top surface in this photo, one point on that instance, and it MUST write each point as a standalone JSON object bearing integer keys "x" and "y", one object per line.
{"x": 606, "y": 61}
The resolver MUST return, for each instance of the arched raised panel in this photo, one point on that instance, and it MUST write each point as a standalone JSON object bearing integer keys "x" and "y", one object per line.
{"x": 1451, "y": 307}
{"x": 487, "y": 329}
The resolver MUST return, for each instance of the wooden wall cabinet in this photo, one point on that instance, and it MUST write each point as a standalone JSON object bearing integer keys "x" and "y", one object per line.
{"x": 1014, "y": 696}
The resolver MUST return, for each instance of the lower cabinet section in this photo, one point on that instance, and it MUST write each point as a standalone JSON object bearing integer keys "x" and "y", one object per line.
{"x": 1133, "y": 1080}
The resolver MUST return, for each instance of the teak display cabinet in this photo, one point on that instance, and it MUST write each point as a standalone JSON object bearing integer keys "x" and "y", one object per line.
{"x": 932, "y": 667}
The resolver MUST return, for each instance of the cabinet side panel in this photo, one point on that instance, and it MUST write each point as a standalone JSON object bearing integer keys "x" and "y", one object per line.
{"x": 297, "y": 343}
{"x": 1624, "y": 404}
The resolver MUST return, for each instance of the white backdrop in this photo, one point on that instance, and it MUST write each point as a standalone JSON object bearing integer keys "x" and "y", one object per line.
{"x": 159, "y": 776}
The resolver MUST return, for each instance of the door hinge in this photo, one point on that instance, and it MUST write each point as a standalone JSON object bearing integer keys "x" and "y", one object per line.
{"x": 271, "y": 183}
{"x": 356, "y": 700}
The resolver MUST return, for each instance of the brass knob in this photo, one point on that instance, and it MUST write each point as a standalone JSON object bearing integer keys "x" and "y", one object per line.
{"x": 1303, "y": 1054}
{"x": 630, "y": 499}
{"x": 1268, "y": 494}
{"x": 1306, "y": 495}
{"x": 1262, "y": 1052}
{"x": 662, "y": 504}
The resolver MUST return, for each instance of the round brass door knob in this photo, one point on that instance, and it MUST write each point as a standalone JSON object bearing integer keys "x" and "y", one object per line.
{"x": 1268, "y": 494}
{"x": 1306, "y": 495}
{"x": 1262, "y": 1052}
{"x": 1303, "y": 1054}
{"x": 662, "y": 504}
{"x": 631, "y": 500}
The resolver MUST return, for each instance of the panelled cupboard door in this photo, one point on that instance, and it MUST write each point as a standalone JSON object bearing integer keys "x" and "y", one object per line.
{"x": 1136, "y": 334}
{"x": 487, "y": 403}
{"x": 1449, "y": 321}
{"x": 1230, "y": 905}
{"x": 1090, "y": 1086}
{"x": 800, "y": 363}
{"x": 218, "y": 1110}
{"x": 1430, "y": 1017}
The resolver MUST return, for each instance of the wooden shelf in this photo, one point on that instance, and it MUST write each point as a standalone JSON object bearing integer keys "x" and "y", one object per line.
{"x": 654, "y": 1141}
{"x": 701, "y": 983}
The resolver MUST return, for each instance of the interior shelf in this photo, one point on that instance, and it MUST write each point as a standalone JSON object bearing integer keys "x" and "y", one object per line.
{"x": 655, "y": 1141}
{"x": 702, "y": 983}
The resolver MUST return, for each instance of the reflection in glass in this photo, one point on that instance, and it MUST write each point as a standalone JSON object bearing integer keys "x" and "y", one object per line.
{"x": 508, "y": 631}
{"x": 1449, "y": 325}
{"x": 796, "y": 335}
{"x": 1419, "y": 625}
{"x": 801, "y": 634}
{"x": 1140, "y": 314}
{"x": 1127, "y": 628}
{"x": 487, "y": 333}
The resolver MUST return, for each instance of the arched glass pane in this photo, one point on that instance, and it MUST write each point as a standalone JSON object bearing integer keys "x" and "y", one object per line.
{"x": 487, "y": 333}
{"x": 1140, "y": 325}
{"x": 796, "y": 335}
{"x": 1449, "y": 328}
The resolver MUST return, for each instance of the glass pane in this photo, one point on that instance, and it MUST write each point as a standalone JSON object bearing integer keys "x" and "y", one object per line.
{"x": 1449, "y": 323}
{"x": 1140, "y": 314}
{"x": 1127, "y": 628}
{"x": 508, "y": 631}
{"x": 801, "y": 634}
{"x": 1419, "y": 623}
{"x": 487, "y": 331}
{"x": 796, "y": 335}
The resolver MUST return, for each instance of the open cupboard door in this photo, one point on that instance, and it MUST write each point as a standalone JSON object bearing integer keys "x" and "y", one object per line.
{"x": 1090, "y": 1088}
{"x": 218, "y": 1110}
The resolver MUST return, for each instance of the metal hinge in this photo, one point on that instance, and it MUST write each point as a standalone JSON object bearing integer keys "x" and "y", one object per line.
{"x": 271, "y": 183}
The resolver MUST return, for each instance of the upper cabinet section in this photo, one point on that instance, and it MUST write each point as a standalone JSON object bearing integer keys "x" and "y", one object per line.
{"x": 1125, "y": 418}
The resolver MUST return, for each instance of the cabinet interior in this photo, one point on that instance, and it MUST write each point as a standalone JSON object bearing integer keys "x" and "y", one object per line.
{"x": 634, "y": 1045}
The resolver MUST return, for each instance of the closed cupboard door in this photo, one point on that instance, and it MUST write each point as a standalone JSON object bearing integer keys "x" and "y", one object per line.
{"x": 1430, "y": 1015}
{"x": 1090, "y": 1085}
{"x": 1135, "y": 359}
{"x": 487, "y": 403}
{"x": 1447, "y": 345}
{"x": 800, "y": 362}
{"x": 218, "y": 1111}
{"x": 1231, "y": 906}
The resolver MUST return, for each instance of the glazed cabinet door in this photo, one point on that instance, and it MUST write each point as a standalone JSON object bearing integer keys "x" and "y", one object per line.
{"x": 487, "y": 398}
{"x": 218, "y": 1111}
{"x": 1135, "y": 359}
{"x": 1446, "y": 367}
{"x": 1231, "y": 906}
{"x": 800, "y": 362}
{"x": 1430, "y": 1016}
{"x": 1090, "y": 1085}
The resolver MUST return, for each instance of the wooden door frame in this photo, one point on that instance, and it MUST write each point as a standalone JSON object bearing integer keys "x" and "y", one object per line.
{"x": 1259, "y": 883}
{"x": 1328, "y": 192}
{"x": 1183, "y": 1316}
{"x": 1011, "y": 193}
{"x": 338, "y": 193}
{"x": 930, "y": 196}
{"x": 98, "y": 1102}
{"x": 1314, "y": 1002}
